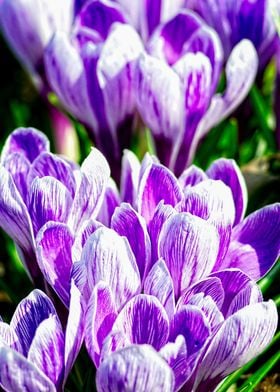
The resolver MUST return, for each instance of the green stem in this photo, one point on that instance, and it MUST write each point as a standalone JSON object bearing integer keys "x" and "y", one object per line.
{"x": 261, "y": 111}
{"x": 267, "y": 281}
{"x": 232, "y": 378}
{"x": 277, "y": 300}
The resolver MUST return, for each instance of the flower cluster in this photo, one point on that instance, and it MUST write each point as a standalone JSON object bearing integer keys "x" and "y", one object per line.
{"x": 163, "y": 273}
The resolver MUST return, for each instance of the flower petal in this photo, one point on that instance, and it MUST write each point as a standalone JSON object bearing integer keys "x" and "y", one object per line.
{"x": 100, "y": 316}
{"x": 108, "y": 257}
{"x": 255, "y": 244}
{"x": 18, "y": 166}
{"x": 111, "y": 201}
{"x": 27, "y": 141}
{"x": 159, "y": 284}
{"x": 191, "y": 176}
{"x": 157, "y": 183}
{"x": 29, "y": 314}
{"x": 137, "y": 368}
{"x": 251, "y": 329}
{"x": 74, "y": 333}
{"x": 89, "y": 195}
{"x": 54, "y": 244}
{"x": 128, "y": 223}
{"x": 49, "y": 200}
{"x": 189, "y": 245}
{"x": 17, "y": 374}
{"x": 129, "y": 177}
{"x": 47, "y": 349}
{"x": 9, "y": 337}
{"x": 227, "y": 171}
{"x": 143, "y": 320}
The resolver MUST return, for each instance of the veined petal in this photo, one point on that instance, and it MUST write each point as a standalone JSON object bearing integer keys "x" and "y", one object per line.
{"x": 100, "y": 316}
{"x": 109, "y": 258}
{"x": 255, "y": 244}
{"x": 86, "y": 229}
{"x": 128, "y": 223}
{"x": 49, "y": 200}
{"x": 47, "y": 349}
{"x": 157, "y": 183}
{"x": 18, "y": 166}
{"x": 47, "y": 164}
{"x": 159, "y": 284}
{"x": 65, "y": 73}
{"x": 227, "y": 171}
{"x": 27, "y": 141}
{"x": 251, "y": 329}
{"x": 191, "y": 176}
{"x": 137, "y": 368}
{"x": 189, "y": 245}
{"x": 129, "y": 177}
{"x": 17, "y": 374}
{"x": 209, "y": 308}
{"x": 29, "y": 314}
{"x": 111, "y": 202}
{"x": 8, "y": 336}
{"x": 175, "y": 354}
{"x": 89, "y": 195}
{"x": 213, "y": 202}
{"x": 159, "y": 102}
{"x": 54, "y": 244}
{"x": 162, "y": 213}
{"x": 143, "y": 320}
{"x": 241, "y": 69}
{"x": 74, "y": 333}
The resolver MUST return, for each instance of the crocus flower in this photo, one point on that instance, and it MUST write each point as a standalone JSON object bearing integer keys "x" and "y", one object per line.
{"x": 216, "y": 326}
{"x": 36, "y": 354}
{"x": 28, "y": 26}
{"x": 236, "y": 20}
{"x": 38, "y": 186}
{"x": 92, "y": 75}
{"x": 176, "y": 83}
{"x": 196, "y": 224}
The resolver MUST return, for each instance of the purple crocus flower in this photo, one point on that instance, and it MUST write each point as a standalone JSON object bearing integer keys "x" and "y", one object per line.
{"x": 36, "y": 354}
{"x": 28, "y": 26}
{"x": 38, "y": 186}
{"x": 236, "y": 20}
{"x": 176, "y": 83}
{"x": 92, "y": 75}
{"x": 216, "y": 326}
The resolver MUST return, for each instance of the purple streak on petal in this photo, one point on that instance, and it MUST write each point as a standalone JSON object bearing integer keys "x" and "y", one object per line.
{"x": 100, "y": 17}
{"x": 152, "y": 14}
{"x": 162, "y": 213}
{"x": 9, "y": 337}
{"x": 108, "y": 257}
{"x": 144, "y": 320}
{"x": 95, "y": 174}
{"x": 49, "y": 200}
{"x": 191, "y": 176}
{"x": 213, "y": 202}
{"x": 159, "y": 284}
{"x": 128, "y": 223}
{"x": 175, "y": 354}
{"x": 157, "y": 183}
{"x": 210, "y": 287}
{"x": 47, "y": 349}
{"x": 27, "y": 141}
{"x": 111, "y": 202}
{"x": 17, "y": 374}
{"x": 100, "y": 316}
{"x": 248, "y": 295}
{"x": 251, "y": 330}
{"x": 66, "y": 80}
{"x": 18, "y": 166}
{"x": 227, "y": 171}
{"x": 233, "y": 282}
{"x": 54, "y": 243}
{"x": 48, "y": 164}
{"x": 115, "y": 341}
{"x": 129, "y": 177}
{"x": 209, "y": 308}
{"x": 189, "y": 246}
{"x": 74, "y": 333}
{"x": 88, "y": 228}
{"x": 29, "y": 314}
{"x": 135, "y": 368}
{"x": 255, "y": 244}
